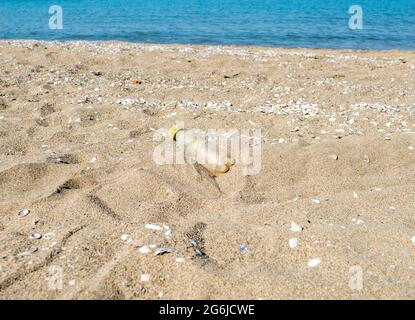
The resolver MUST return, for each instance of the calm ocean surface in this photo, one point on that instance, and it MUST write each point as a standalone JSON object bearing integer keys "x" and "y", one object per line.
{"x": 387, "y": 24}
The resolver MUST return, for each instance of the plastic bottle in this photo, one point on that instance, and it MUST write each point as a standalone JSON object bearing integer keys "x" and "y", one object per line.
{"x": 195, "y": 150}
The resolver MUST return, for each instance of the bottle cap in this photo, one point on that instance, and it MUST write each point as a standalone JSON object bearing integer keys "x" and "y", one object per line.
{"x": 173, "y": 131}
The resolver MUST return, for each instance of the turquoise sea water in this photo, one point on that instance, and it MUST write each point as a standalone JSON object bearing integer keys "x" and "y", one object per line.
{"x": 387, "y": 24}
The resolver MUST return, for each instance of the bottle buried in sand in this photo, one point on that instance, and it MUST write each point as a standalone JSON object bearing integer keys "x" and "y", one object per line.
{"x": 195, "y": 150}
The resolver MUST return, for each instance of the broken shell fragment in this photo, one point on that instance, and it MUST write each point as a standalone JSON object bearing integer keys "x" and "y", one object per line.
{"x": 23, "y": 213}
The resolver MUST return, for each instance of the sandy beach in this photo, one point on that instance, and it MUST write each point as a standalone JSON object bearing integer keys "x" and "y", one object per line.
{"x": 331, "y": 214}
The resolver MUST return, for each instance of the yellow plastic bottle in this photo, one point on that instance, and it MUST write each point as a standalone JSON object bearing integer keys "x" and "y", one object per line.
{"x": 195, "y": 150}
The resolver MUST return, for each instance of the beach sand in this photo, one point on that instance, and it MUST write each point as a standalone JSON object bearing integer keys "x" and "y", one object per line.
{"x": 77, "y": 121}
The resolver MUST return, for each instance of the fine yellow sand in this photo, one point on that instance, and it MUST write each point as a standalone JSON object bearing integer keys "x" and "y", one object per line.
{"x": 76, "y": 149}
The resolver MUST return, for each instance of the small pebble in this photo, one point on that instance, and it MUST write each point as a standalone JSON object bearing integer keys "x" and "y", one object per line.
{"x": 315, "y": 201}
{"x": 314, "y": 262}
{"x": 413, "y": 240}
{"x": 180, "y": 260}
{"x": 333, "y": 157}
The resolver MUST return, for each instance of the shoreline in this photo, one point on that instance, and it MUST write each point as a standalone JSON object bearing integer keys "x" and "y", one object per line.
{"x": 235, "y": 46}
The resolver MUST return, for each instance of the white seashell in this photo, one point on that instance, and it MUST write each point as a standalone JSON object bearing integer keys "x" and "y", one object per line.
{"x": 144, "y": 249}
{"x": 93, "y": 160}
{"x": 48, "y": 235}
{"x": 314, "y": 262}
{"x": 295, "y": 227}
{"x": 145, "y": 277}
{"x": 161, "y": 251}
{"x": 125, "y": 237}
{"x": 23, "y": 213}
{"x": 153, "y": 227}
{"x": 333, "y": 157}
{"x": 35, "y": 236}
{"x": 413, "y": 240}
{"x": 293, "y": 242}
{"x": 315, "y": 201}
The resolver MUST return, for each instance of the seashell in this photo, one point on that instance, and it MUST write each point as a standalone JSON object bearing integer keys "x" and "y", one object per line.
{"x": 333, "y": 157}
{"x": 317, "y": 201}
{"x": 153, "y": 227}
{"x": 243, "y": 248}
{"x": 144, "y": 249}
{"x": 23, "y": 213}
{"x": 293, "y": 242}
{"x": 295, "y": 227}
{"x": 35, "y": 236}
{"x": 161, "y": 251}
{"x": 48, "y": 235}
{"x": 314, "y": 262}
{"x": 125, "y": 237}
{"x": 145, "y": 277}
